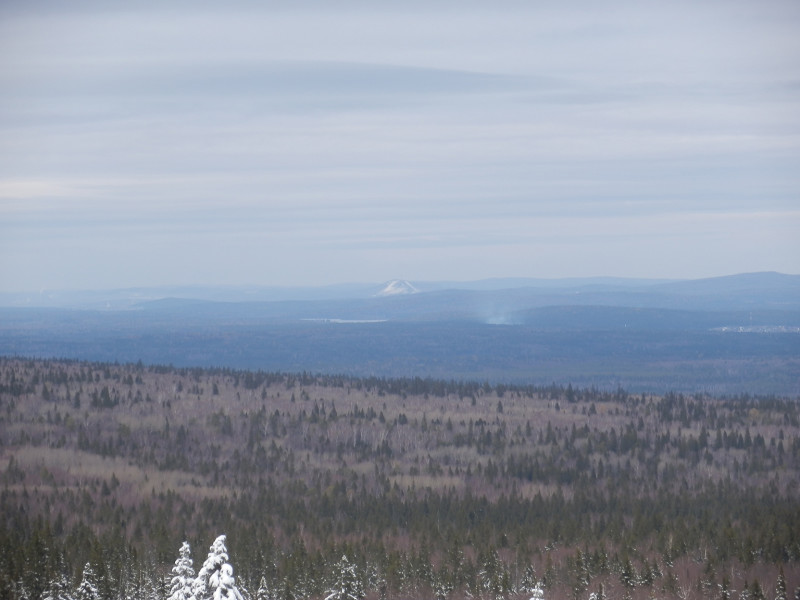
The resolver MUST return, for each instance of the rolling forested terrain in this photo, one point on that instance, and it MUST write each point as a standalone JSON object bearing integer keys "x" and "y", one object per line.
{"x": 431, "y": 488}
{"x": 722, "y": 336}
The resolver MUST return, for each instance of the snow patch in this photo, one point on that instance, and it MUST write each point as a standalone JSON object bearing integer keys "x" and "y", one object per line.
{"x": 397, "y": 287}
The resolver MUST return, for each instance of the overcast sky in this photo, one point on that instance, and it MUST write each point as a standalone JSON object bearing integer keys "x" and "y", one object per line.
{"x": 308, "y": 143}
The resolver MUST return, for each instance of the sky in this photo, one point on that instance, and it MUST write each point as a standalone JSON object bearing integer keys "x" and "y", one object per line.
{"x": 311, "y": 143}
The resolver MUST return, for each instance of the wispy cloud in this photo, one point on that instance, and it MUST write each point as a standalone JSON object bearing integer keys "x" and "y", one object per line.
{"x": 364, "y": 141}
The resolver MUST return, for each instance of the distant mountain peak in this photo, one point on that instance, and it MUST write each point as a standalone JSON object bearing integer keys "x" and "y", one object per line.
{"x": 397, "y": 287}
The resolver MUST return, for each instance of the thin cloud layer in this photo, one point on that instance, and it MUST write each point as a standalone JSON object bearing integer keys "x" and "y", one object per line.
{"x": 299, "y": 144}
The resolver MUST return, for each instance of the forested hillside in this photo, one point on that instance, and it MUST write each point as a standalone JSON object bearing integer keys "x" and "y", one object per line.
{"x": 429, "y": 488}
{"x": 722, "y": 336}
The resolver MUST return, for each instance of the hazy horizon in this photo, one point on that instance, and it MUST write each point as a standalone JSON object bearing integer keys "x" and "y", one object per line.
{"x": 307, "y": 145}
{"x": 545, "y": 282}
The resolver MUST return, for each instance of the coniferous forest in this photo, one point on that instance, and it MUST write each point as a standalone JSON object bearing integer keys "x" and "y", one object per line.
{"x": 119, "y": 481}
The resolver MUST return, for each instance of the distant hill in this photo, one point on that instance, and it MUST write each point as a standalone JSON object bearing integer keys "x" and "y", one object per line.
{"x": 737, "y": 334}
{"x": 735, "y": 292}
{"x": 405, "y": 301}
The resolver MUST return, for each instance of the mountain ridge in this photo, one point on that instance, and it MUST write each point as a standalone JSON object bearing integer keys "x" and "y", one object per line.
{"x": 731, "y": 335}
{"x": 126, "y": 298}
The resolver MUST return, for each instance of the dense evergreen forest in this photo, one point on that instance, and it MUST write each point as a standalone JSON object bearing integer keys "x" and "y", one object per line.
{"x": 430, "y": 489}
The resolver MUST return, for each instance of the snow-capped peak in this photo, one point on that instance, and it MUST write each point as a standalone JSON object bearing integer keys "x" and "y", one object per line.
{"x": 397, "y": 287}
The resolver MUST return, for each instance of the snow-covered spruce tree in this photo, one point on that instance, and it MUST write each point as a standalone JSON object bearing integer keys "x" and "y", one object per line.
{"x": 217, "y": 556}
{"x": 628, "y": 578}
{"x": 182, "y": 580}
{"x": 87, "y": 588}
{"x": 348, "y": 585}
{"x": 263, "y": 592}
{"x": 528, "y": 583}
{"x": 215, "y": 580}
{"x": 57, "y": 589}
{"x": 537, "y": 593}
{"x": 780, "y": 586}
{"x": 493, "y": 576}
{"x": 141, "y": 584}
{"x": 21, "y": 591}
{"x": 155, "y": 588}
{"x": 441, "y": 588}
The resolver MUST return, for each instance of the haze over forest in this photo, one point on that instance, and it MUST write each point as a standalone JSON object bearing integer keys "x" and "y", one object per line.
{"x": 728, "y": 335}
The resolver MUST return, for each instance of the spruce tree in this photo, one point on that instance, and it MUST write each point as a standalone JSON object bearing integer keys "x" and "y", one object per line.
{"x": 57, "y": 589}
{"x": 348, "y": 585}
{"x": 182, "y": 579}
{"x": 87, "y": 588}
{"x": 215, "y": 580}
{"x": 492, "y": 575}
{"x": 537, "y": 593}
{"x": 780, "y": 586}
{"x": 441, "y": 589}
{"x": 286, "y": 590}
{"x": 725, "y": 588}
{"x": 528, "y": 583}
{"x": 263, "y": 592}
